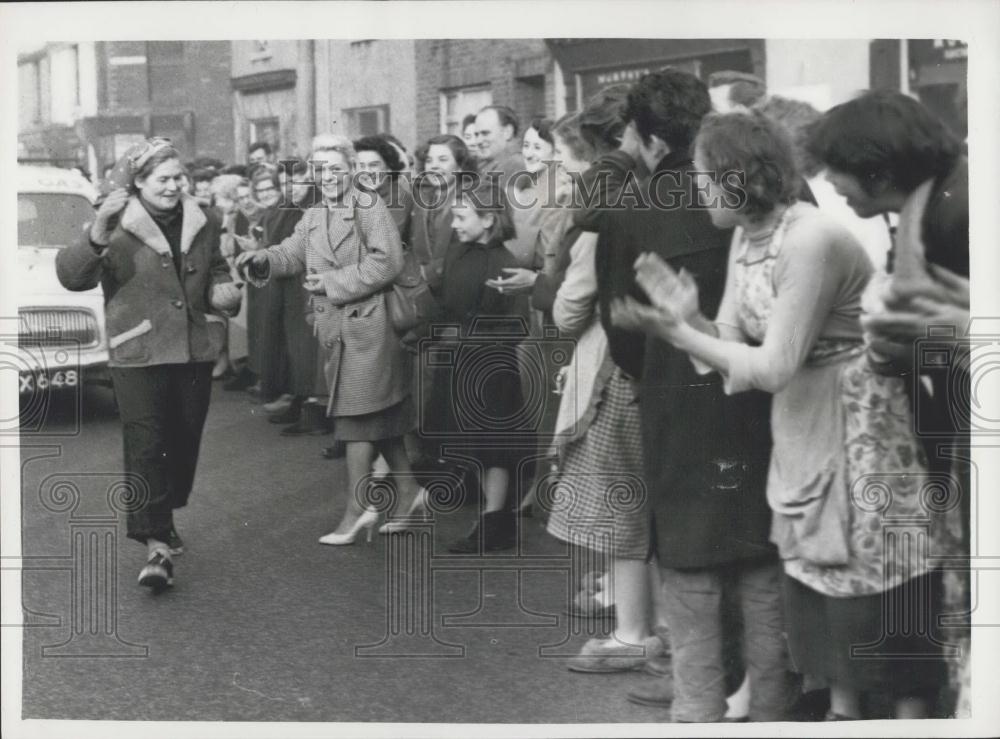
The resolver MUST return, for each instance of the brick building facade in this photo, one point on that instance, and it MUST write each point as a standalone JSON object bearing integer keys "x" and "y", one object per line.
{"x": 177, "y": 89}
{"x": 458, "y": 76}
{"x": 86, "y": 103}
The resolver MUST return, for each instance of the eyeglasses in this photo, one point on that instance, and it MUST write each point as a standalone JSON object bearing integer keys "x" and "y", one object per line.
{"x": 260, "y": 190}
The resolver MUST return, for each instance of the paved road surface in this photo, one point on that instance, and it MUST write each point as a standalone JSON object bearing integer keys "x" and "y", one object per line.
{"x": 264, "y": 624}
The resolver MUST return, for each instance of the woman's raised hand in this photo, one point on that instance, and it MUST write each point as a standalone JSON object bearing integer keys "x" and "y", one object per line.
{"x": 674, "y": 294}
{"x": 111, "y": 206}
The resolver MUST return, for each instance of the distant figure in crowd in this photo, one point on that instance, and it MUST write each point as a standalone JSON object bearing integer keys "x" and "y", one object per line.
{"x": 259, "y": 152}
{"x": 735, "y": 90}
{"x": 469, "y": 134}
{"x": 497, "y": 128}
{"x": 166, "y": 286}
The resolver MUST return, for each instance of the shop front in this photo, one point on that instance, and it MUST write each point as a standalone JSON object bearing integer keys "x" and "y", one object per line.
{"x": 589, "y": 65}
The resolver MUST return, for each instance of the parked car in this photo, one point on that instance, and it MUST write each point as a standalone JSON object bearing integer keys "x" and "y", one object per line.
{"x": 61, "y": 337}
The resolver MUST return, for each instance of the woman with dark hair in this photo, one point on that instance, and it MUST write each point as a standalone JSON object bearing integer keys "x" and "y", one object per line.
{"x": 789, "y": 324}
{"x": 469, "y": 134}
{"x": 442, "y": 161}
{"x": 379, "y": 168}
{"x": 529, "y": 193}
{"x": 166, "y": 285}
{"x": 887, "y": 153}
{"x": 485, "y": 393}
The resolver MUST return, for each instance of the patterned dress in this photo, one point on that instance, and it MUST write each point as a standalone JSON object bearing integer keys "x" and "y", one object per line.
{"x": 855, "y": 512}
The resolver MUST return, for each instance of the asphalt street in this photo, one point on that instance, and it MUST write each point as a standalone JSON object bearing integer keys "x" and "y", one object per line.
{"x": 265, "y": 624}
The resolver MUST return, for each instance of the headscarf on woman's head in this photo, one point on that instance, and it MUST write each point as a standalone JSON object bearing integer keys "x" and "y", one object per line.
{"x": 134, "y": 160}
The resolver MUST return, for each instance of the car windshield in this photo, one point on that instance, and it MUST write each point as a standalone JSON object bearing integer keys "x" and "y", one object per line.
{"x": 51, "y": 219}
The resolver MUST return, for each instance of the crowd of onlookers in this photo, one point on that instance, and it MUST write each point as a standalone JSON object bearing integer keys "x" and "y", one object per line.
{"x": 740, "y": 281}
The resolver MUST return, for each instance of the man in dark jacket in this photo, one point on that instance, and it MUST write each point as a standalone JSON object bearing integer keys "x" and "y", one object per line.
{"x": 705, "y": 453}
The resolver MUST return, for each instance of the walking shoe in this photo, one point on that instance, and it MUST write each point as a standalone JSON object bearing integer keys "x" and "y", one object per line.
{"x": 611, "y": 655}
{"x": 158, "y": 574}
{"x": 175, "y": 543}
{"x": 338, "y": 450}
{"x": 657, "y": 693}
{"x": 312, "y": 421}
{"x": 291, "y": 414}
{"x": 494, "y": 531}
{"x": 279, "y": 405}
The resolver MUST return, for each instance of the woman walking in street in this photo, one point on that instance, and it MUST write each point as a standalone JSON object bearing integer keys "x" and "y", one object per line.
{"x": 349, "y": 251}
{"x": 155, "y": 253}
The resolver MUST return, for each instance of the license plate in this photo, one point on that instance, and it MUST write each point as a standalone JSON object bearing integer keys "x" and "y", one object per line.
{"x": 34, "y": 381}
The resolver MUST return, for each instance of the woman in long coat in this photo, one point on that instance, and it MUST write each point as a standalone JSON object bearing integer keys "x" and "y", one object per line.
{"x": 155, "y": 253}
{"x": 350, "y": 252}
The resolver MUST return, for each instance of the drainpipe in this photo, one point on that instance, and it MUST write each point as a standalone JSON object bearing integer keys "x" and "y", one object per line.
{"x": 305, "y": 97}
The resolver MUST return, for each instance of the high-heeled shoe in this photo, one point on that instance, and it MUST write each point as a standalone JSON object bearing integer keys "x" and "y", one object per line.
{"x": 417, "y": 513}
{"x": 366, "y": 520}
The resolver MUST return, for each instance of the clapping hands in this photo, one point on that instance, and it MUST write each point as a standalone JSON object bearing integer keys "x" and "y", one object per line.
{"x": 673, "y": 299}
{"x": 911, "y": 308}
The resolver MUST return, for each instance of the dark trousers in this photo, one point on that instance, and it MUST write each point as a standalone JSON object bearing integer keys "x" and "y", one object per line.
{"x": 163, "y": 411}
{"x": 285, "y": 348}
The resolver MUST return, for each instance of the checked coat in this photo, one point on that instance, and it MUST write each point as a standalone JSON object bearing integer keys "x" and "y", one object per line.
{"x": 355, "y": 246}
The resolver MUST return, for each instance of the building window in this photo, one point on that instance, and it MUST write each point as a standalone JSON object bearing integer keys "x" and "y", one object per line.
{"x": 267, "y": 130}
{"x": 456, "y": 104}
{"x": 367, "y": 121}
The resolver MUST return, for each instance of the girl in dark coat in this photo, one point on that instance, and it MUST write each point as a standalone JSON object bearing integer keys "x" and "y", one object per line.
{"x": 483, "y": 405}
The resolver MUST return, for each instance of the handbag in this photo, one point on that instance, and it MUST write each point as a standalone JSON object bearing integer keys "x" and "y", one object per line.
{"x": 408, "y": 299}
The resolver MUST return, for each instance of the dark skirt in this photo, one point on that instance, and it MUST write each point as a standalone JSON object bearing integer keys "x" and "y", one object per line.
{"x": 388, "y": 423}
{"x": 884, "y": 643}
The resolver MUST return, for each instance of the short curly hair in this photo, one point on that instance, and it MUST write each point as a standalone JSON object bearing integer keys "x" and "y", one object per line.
{"x": 669, "y": 104}
{"x": 757, "y": 147}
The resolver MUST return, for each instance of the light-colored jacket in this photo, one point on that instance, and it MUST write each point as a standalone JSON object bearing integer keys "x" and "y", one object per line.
{"x": 152, "y": 315}
{"x": 575, "y": 313}
{"x": 356, "y": 248}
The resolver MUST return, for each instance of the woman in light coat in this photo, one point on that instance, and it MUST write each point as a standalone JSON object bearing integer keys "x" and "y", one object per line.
{"x": 350, "y": 252}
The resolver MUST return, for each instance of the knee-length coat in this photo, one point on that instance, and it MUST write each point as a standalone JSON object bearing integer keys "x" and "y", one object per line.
{"x": 355, "y": 246}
